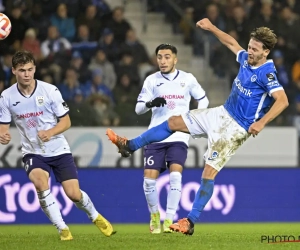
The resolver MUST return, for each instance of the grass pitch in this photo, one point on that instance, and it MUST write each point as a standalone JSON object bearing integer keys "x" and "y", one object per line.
{"x": 137, "y": 237}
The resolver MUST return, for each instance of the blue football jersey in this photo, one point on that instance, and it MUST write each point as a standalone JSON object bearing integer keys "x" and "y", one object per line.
{"x": 250, "y": 97}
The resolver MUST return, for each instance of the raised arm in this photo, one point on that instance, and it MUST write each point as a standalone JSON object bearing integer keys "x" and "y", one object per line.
{"x": 224, "y": 38}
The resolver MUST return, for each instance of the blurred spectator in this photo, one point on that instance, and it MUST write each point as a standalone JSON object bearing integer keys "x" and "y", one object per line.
{"x": 109, "y": 45}
{"x": 288, "y": 35}
{"x": 75, "y": 6}
{"x": 5, "y": 71}
{"x": 266, "y": 17}
{"x": 24, "y": 5}
{"x": 39, "y": 21}
{"x": 126, "y": 96}
{"x": 32, "y": 44}
{"x": 103, "y": 9}
{"x": 84, "y": 43}
{"x": 48, "y": 79}
{"x": 81, "y": 112}
{"x": 296, "y": 72}
{"x": 119, "y": 25}
{"x": 185, "y": 25}
{"x": 99, "y": 61}
{"x": 98, "y": 86}
{"x": 212, "y": 13}
{"x": 90, "y": 19}
{"x": 126, "y": 66}
{"x": 78, "y": 64}
{"x": 48, "y": 7}
{"x": 56, "y": 53}
{"x": 239, "y": 24}
{"x": 138, "y": 51}
{"x": 70, "y": 85}
{"x": 65, "y": 25}
{"x": 105, "y": 114}
{"x": 19, "y": 26}
{"x": 282, "y": 71}
{"x": 2, "y": 86}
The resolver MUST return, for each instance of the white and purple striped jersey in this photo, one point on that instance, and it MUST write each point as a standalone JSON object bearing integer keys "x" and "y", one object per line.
{"x": 177, "y": 88}
{"x": 33, "y": 113}
{"x": 251, "y": 93}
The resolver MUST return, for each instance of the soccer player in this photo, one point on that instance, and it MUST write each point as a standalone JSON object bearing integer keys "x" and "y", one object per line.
{"x": 35, "y": 107}
{"x": 167, "y": 92}
{"x": 246, "y": 112}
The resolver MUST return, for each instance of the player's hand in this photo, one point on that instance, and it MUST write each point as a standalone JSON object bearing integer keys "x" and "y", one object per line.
{"x": 157, "y": 102}
{"x": 255, "y": 128}
{"x": 204, "y": 24}
{"x": 5, "y": 138}
{"x": 44, "y": 135}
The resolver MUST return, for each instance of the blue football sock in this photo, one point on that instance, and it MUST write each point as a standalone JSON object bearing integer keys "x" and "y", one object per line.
{"x": 155, "y": 134}
{"x": 202, "y": 197}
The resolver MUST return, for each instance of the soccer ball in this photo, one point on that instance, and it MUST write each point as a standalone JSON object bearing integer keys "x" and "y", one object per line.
{"x": 5, "y": 26}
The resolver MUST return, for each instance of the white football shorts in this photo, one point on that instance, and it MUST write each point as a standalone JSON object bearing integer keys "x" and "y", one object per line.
{"x": 224, "y": 134}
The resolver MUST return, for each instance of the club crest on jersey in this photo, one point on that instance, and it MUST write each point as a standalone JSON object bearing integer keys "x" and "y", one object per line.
{"x": 182, "y": 84}
{"x": 40, "y": 100}
{"x": 253, "y": 78}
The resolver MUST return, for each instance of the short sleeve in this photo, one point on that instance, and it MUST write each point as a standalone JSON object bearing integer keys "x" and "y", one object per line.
{"x": 196, "y": 90}
{"x": 5, "y": 115}
{"x": 270, "y": 82}
{"x": 58, "y": 105}
{"x": 242, "y": 56}
{"x": 146, "y": 93}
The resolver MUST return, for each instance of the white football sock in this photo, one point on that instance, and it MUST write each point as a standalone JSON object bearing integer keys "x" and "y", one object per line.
{"x": 87, "y": 206}
{"x": 173, "y": 195}
{"x": 151, "y": 194}
{"x": 51, "y": 209}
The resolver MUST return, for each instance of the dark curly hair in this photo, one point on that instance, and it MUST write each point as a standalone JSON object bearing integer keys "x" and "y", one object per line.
{"x": 264, "y": 35}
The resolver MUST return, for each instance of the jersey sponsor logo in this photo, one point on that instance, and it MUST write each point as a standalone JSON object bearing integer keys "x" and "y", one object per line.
{"x": 159, "y": 84}
{"x": 173, "y": 96}
{"x": 273, "y": 84}
{"x": 15, "y": 104}
{"x": 253, "y": 78}
{"x": 214, "y": 155}
{"x": 270, "y": 76}
{"x": 171, "y": 105}
{"x": 40, "y": 100}
{"x": 31, "y": 123}
{"x": 65, "y": 105}
{"x": 28, "y": 115}
{"x": 243, "y": 90}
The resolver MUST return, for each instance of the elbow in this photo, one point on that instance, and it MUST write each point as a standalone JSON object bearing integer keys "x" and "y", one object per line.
{"x": 286, "y": 103}
{"x": 69, "y": 124}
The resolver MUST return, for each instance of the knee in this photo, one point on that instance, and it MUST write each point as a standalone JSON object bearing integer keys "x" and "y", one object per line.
{"x": 209, "y": 172}
{"x": 173, "y": 123}
{"x": 74, "y": 194}
{"x": 39, "y": 178}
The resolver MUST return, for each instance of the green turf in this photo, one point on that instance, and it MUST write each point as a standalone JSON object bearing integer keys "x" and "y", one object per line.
{"x": 137, "y": 237}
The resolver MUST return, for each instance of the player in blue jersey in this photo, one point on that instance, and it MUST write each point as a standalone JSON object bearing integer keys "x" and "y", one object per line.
{"x": 246, "y": 112}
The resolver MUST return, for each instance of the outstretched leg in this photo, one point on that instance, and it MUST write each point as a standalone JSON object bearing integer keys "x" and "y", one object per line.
{"x": 158, "y": 133}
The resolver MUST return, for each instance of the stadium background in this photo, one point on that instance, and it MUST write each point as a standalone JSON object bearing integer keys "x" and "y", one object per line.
{"x": 99, "y": 60}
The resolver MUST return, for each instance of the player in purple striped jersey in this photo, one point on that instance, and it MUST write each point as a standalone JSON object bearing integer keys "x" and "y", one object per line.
{"x": 35, "y": 107}
{"x": 166, "y": 93}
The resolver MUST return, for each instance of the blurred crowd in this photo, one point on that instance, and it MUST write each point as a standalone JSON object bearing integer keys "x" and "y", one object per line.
{"x": 92, "y": 54}
{"x": 85, "y": 48}
{"x": 239, "y": 18}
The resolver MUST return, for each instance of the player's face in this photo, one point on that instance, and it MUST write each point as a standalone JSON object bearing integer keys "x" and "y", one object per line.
{"x": 24, "y": 74}
{"x": 166, "y": 61}
{"x": 256, "y": 53}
